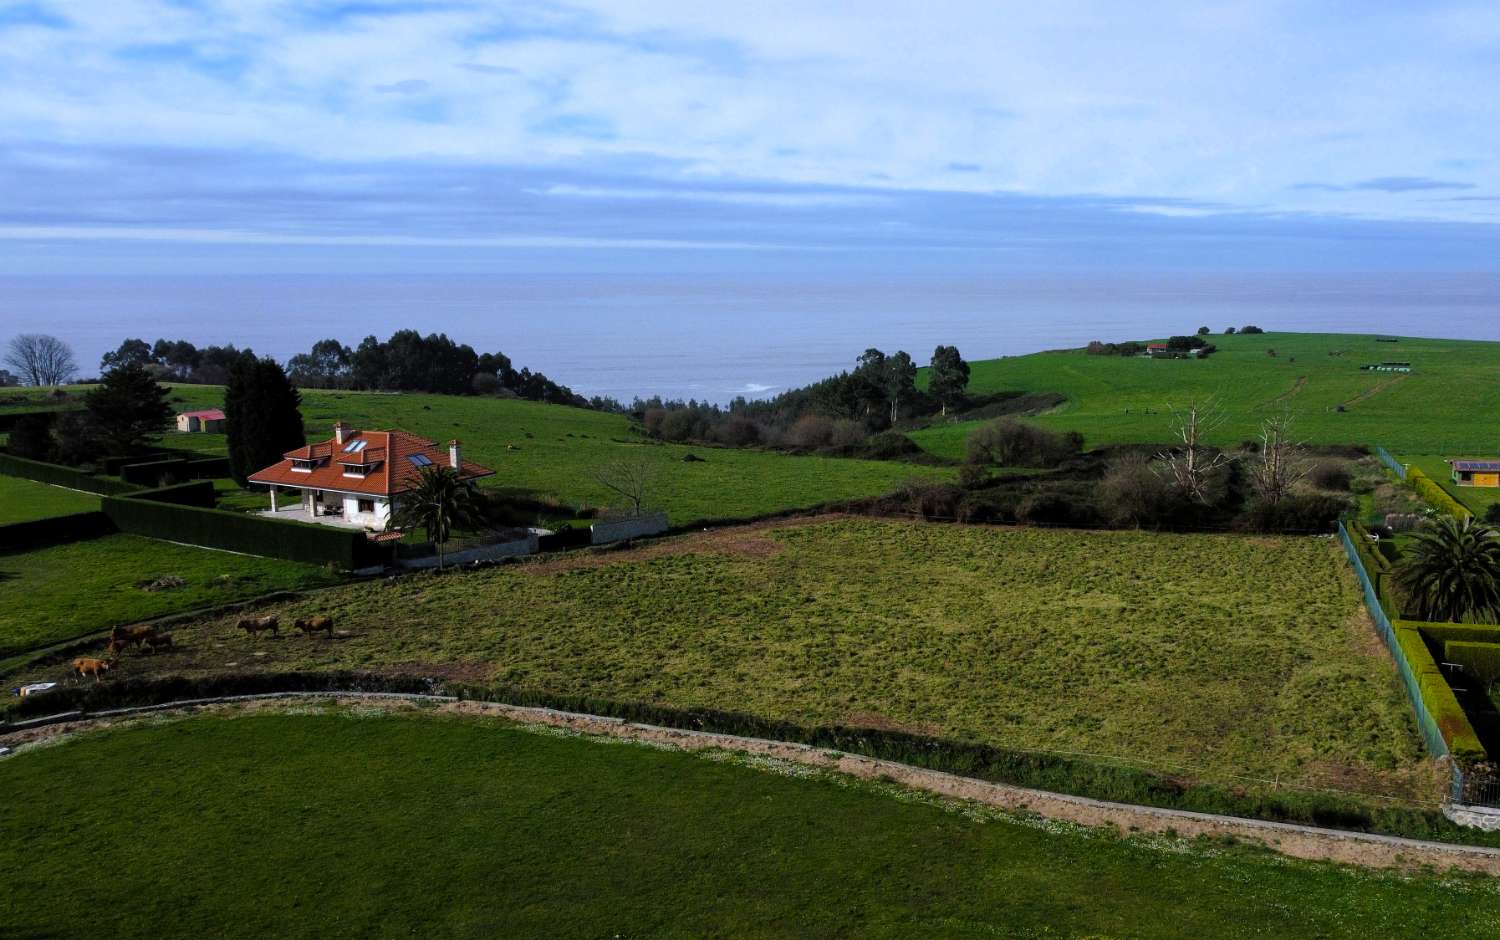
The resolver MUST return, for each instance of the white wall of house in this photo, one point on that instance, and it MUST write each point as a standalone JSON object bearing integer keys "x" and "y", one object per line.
{"x": 377, "y": 517}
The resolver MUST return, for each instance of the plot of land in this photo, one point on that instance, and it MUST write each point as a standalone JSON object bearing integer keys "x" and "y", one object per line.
{"x": 58, "y": 593}
{"x": 1477, "y": 498}
{"x": 23, "y": 500}
{"x": 1210, "y": 654}
{"x": 1448, "y": 402}
{"x": 371, "y": 824}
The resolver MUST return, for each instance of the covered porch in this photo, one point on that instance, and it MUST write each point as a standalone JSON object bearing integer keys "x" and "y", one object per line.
{"x": 332, "y": 508}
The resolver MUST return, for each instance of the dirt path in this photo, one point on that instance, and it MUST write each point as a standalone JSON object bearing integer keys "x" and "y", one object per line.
{"x": 1296, "y": 841}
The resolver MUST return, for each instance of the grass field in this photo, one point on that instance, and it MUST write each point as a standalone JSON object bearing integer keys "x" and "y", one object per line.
{"x": 356, "y": 822}
{"x": 551, "y": 451}
{"x": 1478, "y": 499}
{"x": 22, "y": 500}
{"x": 1162, "y": 648}
{"x": 54, "y": 594}
{"x": 1448, "y": 403}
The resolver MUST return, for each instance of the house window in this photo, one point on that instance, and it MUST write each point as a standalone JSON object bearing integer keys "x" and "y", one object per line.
{"x": 367, "y": 505}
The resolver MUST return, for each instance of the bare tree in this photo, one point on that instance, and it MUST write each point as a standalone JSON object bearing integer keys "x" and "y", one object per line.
{"x": 41, "y": 359}
{"x": 1281, "y": 464}
{"x": 631, "y": 479}
{"x": 1193, "y": 465}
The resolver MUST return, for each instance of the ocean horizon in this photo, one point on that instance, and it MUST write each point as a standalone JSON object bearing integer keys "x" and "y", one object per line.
{"x": 716, "y": 336}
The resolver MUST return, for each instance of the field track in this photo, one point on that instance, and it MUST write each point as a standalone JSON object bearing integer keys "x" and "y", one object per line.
{"x": 1296, "y": 841}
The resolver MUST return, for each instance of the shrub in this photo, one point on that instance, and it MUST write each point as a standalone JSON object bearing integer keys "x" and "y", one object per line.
{"x": 846, "y": 433}
{"x": 811, "y": 431}
{"x": 889, "y": 445}
{"x": 682, "y": 424}
{"x": 1330, "y": 475}
{"x": 1007, "y": 442}
{"x": 738, "y": 431}
{"x": 939, "y": 501}
{"x": 31, "y": 435}
{"x": 1492, "y": 514}
{"x": 1299, "y": 512}
{"x": 1132, "y": 493}
{"x": 1251, "y": 329}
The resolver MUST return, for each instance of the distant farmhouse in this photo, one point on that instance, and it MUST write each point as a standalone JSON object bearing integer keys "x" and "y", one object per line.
{"x": 1386, "y": 367}
{"x": 1476, "y": 472}
{"x": 356, "y": 478}
{"x": 210, "y": 420}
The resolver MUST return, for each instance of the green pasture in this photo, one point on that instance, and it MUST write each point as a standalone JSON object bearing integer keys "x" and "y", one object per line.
{"x": 550, "y": 452}
{"x": 54, "y": 594}
{"x": 359, "y": 822}
{"x": 23, "y": 500}
{"x": 1212, "y": 655}
{"x": 1450, "y": 402}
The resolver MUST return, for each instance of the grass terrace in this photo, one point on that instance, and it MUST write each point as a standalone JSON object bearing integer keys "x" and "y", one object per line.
{"x": 1211, "y": 655}
{"x": 25, "y": 500}
{"x": 1447, "y": 403}
{"x": 58, "y": 593}
{"x": 366, "y": 822}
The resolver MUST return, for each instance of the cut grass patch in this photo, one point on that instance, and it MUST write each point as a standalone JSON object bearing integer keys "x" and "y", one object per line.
{"x": 1208, "y": 655}
{"x": 365, "y": 823}
{"x": 54, "y": 594}
{"x": 26, "y": 500}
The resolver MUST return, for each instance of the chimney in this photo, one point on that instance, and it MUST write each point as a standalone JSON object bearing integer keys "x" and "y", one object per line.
{"x": 340, "y": 432}
{"x": 454, "y": 460}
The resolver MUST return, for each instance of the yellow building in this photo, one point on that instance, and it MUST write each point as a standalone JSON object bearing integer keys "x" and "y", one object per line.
{"x": 1476, "y": 472}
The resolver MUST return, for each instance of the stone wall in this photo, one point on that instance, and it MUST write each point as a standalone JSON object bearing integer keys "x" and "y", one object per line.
{"x": 651, "y": 524}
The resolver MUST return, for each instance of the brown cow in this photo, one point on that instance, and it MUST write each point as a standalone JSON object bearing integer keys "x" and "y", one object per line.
{"x": 116, "y": 646}
{"x": 86, "y": 666}
{"x": 138, "y": 635}
{"x": 254, "y": 625}
{"x": 162, "y": 641}
{"x": 316, "y": 624}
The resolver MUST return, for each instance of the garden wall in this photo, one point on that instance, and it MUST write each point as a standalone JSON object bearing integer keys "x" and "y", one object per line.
{"x": 58, "y": 530}
{"x": 602, "y": 533}
{"x": 11, "y": 465}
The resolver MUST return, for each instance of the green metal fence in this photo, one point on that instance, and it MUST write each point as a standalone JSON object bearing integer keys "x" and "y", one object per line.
{"x": 1425, "y": 723}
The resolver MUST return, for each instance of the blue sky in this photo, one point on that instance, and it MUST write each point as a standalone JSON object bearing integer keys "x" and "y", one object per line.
{"x": 209, "y": 135}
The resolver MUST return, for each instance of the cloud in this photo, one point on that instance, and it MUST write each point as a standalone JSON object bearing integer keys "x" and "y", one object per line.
{"x": 965, "y": 167}
{"x": 784, "y": 200}
{"x": 409, "y": 86}
{"x": 1386, "y": 184}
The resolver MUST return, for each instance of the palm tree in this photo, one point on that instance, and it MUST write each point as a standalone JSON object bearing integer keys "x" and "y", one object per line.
{"x": 1453, "y": 571}
{"x": 441, "y": 502}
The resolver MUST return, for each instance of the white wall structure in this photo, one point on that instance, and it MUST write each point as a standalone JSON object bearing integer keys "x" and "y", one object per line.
{"x": 602, "y": 533}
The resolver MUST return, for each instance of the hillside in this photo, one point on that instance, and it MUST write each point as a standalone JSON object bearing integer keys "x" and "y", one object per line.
{"x": 551, "y": 451}
{"x": 1449, "y": 402}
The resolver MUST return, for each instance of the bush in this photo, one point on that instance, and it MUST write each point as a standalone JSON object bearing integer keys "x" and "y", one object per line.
{"x": 31, "y": 435}
{"x": 1251, "y": 329}
{"x": 738, "y": 431}
{"x": 935, "y": 501}
{"x": 889, "y": 445}
{"x": 1007, "y": 442}
{"x": 1330, "y": 475}
{"x": 1132, "y": 493}
{"x": 1299, "y": 512}
{"x": 811, "y": 432}
{"x": 1492, "y": 514}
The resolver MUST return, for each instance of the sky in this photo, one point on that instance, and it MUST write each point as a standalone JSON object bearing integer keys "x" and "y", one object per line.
{"x": 374, "y": 135}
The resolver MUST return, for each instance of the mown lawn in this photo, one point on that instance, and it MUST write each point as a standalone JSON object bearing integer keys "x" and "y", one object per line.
{"x": 551, "y": 452}
{"x": 55, "y": 594}
{"x": 1214, "y": 654}
{"x": 1449, "y": 402}
{"x": 357, "y": 823}
{"x": 23, "y": 500}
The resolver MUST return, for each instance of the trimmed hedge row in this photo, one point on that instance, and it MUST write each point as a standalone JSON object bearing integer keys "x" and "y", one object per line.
{"x": 40, "y": 533}
{"x": 239, "y": 532}
{"x": 1437, "y": 695}
{"x": 11, "y": 465}
{"x": 196, "y": 493}
{"x": 1022, "y": 768}
{"x": 9, "y": 419}
{"x": 1480, "y": 658}
{"x": 151, "y": 472}
{"x": 1435, "y": 496}
{"x": 1377, "y": 566}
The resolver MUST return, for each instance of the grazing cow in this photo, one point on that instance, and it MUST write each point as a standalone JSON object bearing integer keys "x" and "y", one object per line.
{"x": 132, "y": 636}
{"x": 162, "y": 641}
{"x": 316, "y": 624}
{"x": 254, "y": 625}
{"x": 86, "y": 666}
{"x": 116, "y": 646}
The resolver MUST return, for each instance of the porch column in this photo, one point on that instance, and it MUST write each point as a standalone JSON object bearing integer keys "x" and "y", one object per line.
{"x": 273, "y": 498}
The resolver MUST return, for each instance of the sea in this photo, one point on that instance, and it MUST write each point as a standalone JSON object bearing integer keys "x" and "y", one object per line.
{"x": 713, "y": 337}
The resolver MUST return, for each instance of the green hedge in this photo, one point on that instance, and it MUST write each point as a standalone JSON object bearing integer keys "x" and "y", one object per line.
{"x": 239, "y": 532}
{"x": 9, "y": 419}
{"x": 151, "y": 472}
{"x": 1377, "y": 566}
{"x": 39, "y": 533}
{"x": 11, "y": 465}
{"x": 1435, "y": 496}
{"x": 208, "y": 468}
{"x": 1481, "y": 659}
{"x": 1437, "y": 695}
{"x": 195, "y": 493}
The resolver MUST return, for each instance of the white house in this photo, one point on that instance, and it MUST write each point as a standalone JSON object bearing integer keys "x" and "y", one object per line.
{"x": 211, "y": 419}
{"x": 356, "y": 478}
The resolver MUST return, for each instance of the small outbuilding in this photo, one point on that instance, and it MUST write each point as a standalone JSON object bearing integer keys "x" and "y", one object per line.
{"x": 1476, "y": 472}
{"x": 210, "y": 420}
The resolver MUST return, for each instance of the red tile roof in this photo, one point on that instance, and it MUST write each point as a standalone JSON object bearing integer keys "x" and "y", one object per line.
{"x": 211, "y": 414}
{"x": 386, "y": 456}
